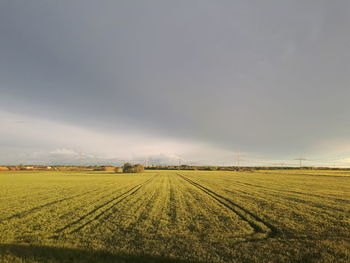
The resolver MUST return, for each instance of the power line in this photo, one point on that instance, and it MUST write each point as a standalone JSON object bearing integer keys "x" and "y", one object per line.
{"x": 300, "y": 159}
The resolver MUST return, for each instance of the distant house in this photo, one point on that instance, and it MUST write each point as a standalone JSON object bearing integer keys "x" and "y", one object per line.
{"x": 107, "y": 168}
{"x": 4, "y": 168}
{"x": 41, "y": 168}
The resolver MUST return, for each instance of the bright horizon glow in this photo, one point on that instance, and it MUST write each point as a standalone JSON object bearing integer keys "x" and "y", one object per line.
{"x": 68, "y": 145}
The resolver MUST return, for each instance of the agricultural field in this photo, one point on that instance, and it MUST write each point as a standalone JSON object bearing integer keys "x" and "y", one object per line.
{"x": 175, "y": 216}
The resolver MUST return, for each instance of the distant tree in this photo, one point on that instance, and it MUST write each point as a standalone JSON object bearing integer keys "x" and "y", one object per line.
{"x": 129, "y": 168}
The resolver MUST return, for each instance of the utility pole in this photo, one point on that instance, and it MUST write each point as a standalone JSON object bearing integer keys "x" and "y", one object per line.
{"x": 80, "y": 159}
{"x": 238, "y": 159}
{"x": 300, "y": 159}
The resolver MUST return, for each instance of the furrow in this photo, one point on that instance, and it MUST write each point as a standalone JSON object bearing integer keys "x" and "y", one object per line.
{"x": 114, "y": 201}
{"x": 259, "y": 225}
{"x": 37, "y": 208}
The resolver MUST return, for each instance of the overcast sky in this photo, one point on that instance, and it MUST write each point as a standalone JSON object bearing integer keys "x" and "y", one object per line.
{"x": 196, "y": 80}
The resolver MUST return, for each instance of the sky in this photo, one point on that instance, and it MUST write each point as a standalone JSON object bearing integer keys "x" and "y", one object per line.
{"x": 194, "y": 82}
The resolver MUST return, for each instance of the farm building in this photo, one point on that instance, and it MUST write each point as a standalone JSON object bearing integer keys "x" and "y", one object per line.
{"x": 4, "y": 168}
{"x": 107, "y": 168}
{"x": 42, "y": 168}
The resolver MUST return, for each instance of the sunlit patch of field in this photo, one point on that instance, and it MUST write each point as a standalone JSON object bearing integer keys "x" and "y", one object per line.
{"x": 175, "y": 216}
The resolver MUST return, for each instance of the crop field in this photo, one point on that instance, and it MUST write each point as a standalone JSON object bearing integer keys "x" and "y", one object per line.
{"x": 175, "y": 216}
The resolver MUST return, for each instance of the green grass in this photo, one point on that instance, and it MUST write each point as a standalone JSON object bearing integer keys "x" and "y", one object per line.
{"x": 175, "y": 216}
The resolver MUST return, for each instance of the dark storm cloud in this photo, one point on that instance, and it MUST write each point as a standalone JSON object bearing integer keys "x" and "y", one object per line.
{"x": 258, "y": 76}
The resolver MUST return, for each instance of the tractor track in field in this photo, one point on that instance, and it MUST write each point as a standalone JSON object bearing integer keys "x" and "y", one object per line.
{"x": 69, "y": 213}
{"x": 79, "y": 224}
{"x": 37, "y": 208}
{"x": 283, "y": 196}
{"x": 310, "y": 174}
{"x": 291, "y": 192}
{"x": 259, "y": 225}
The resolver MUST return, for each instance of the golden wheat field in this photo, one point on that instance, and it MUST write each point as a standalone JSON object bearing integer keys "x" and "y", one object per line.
{"x": 175, "y": 216}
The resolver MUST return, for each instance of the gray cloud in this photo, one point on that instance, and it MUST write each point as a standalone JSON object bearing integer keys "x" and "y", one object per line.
{"x": 260, "y": 77}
